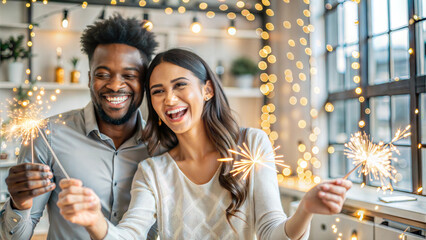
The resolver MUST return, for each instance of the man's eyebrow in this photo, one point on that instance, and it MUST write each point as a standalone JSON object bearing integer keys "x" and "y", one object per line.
{"x": 102, "y": 67}
{"x": 132, "y": 69}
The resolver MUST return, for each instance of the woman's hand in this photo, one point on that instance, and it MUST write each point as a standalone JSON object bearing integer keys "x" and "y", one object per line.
{"x": 326, "y": 197}
{"x": 78, "y": 204}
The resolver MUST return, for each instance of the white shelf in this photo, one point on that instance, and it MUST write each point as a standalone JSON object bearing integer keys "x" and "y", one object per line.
{"x": 7, "y": 163}
{"x": 14, "y": 25}
{"x": 243, "y": 92}
{"x": 47, "y": 86}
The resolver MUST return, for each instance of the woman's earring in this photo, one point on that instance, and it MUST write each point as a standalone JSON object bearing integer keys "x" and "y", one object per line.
{"x": 206, "y": 99}
{"x": 159, "y": 121}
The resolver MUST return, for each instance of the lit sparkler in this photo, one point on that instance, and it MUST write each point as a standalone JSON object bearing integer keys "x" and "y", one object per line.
{"x": 26, "y": 123}
{"x": 374, "y": 159}
{"x": 250, "y": 159}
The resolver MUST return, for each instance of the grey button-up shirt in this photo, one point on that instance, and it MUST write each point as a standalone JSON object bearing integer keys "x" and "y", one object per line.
{"x": 88, "y": 155}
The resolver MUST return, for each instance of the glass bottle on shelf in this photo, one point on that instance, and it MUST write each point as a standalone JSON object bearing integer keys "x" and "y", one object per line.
{"x": 59, "y": 71}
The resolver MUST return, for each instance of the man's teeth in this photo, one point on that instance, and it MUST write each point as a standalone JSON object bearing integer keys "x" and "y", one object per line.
{"x": 117, "y": 100}
{"x": 176, "y": 111}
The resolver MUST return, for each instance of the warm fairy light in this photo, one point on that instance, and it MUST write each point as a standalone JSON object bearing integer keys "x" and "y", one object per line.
{"x": 329, "y": 48}
{"x": 376, "y": 207}
{"x": 416, "y": 111}
{"x": 231, "y": 15}
{"x": 375, "y": 160}
{"x": 410, "y": 51}
{"x": 249, "y": 159}
{"x": 419, "y": 146}
{"x": 296, "y": 87}
{"x": 358, "y": 90}
{"x": 303, "y": 101}
{"x": 329, "y": 107}
{"x": 367, "y": 111}
{"x": 84, "y": 5}
{"x": 223, "y": 7}
{"x": 361, "y": 99}
{"x": 356, "y": 79}
{"x": 313, "y": 113}
{"x": 330, "y": 150}
{"x": 245, "y": 12}
{"x": 420, "y": 190}
{"x": 291, "y": 43}
{"x": 361, "y": 124}
{"x": 240, "y": 4}
{"x": 290, "y": 56}
{"x": 266, "y": 3}
{"x": 301, "y": 124}
{"x": 355, "y": 54}
{"x": 210, "y": 14}
{"x": 264, "y": 35}
{"x": 142, "y": 3}
{"x": 300, "y": 22}
{"x": 287, "y": 24}
{"x": 258, "y": 7}
{"x": 307, "y": 13}
{"x": 270, "y": 12}
{"x": 262, "y": 65}
{"x": 203, "y": 6}
{"x": 270, "y": 26}
{"x": 293, "y": 100}
{"x": 286, "y": 172}
{"x": 196, "y": 26}
{"x": 301, "y": 147}
{"x": 355, "y": 65}
{"x": 360, "y": 214}
{"x": 168, "y": 10}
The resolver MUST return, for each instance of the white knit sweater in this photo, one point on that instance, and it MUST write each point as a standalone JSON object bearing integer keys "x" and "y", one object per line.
{"x": 184, "y": 210}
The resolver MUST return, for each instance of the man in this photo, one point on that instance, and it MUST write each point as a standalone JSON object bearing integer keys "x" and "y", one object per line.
{"x": 100, "y": 144}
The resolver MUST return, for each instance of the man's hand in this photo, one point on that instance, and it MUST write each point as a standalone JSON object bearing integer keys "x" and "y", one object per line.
{"x": 327, "y": 197}
{"x": 78, "y": 204}
{"x": 26, "y": 181}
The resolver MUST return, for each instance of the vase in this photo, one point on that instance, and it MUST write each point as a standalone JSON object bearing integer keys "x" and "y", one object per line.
{"x": 15, "y": 70}
{"x": 75, "y": 76}
{"x": 244, "y": 81}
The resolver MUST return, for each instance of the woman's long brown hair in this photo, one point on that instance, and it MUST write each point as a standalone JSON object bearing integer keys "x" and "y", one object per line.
{"x": 221, "y": 127}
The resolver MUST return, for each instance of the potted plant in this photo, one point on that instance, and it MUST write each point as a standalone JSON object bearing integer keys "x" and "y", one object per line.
{"x": 244, "y": 69}
{"x": 75, "y": 74}
{"x": 15, "y": 50}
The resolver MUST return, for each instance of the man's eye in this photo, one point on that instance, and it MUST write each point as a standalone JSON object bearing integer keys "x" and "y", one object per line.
{"x": 102, "y": 75}
{"x": 129, "y": 76}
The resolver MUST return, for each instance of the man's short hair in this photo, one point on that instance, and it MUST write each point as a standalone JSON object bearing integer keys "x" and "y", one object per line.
{"x": 117, "y": 29}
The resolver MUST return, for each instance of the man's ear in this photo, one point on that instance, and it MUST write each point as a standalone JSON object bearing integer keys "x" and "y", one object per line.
{"x": 208, "y": 90}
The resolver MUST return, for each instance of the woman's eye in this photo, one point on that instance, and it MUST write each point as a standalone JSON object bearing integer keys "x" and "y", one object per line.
{"x": 181, "y": 84}
{"x": 156, "y": 92}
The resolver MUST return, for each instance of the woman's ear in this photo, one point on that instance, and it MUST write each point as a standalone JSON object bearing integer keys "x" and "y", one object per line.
{"x": 208, "y": 91}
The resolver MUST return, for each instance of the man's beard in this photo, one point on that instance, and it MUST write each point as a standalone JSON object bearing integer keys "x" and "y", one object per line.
{"x": 104, "y": 116}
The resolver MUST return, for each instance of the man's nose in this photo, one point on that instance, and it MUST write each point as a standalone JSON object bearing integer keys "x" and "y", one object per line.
{"x": 116, "y": 83}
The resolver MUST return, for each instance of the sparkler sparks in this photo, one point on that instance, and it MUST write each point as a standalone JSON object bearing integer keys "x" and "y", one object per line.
{"x": 374, "y": 159}
{"x": 250, "y": 159}
{"x": 26, "y": 123}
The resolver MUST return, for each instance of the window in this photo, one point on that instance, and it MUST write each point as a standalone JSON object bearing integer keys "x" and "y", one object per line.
{"x": 376, "y": 72}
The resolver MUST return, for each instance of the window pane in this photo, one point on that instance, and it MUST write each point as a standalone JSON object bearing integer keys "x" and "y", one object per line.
{"x": 337, "y": 123}
{"x": 421, "y": 48}
{"x": 403, "y": 166}
{"x": 400, "y": 55}
{"x": 401, "y": 115}
{"x": 352, "y": 57}
{"x": 424, "y": 170}
{"x": 379, "y": 16}
{"x": 380, "y": 116}
{"x": 336, "y": 70}
{"x": 332, "y": 27}
{"x": 338, "y": 163}
{"x": 350, "y": 18}
{"x": 379, "y": 60}
{"x": 423, "y": 117}
{"x": 352, "y": 116}
{"x": 399, "y": 13}
{"x": 421, "y": 9}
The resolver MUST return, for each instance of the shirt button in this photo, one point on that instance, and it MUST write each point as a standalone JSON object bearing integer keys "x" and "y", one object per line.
{"x": 15, "y": 220}
{"x": 116, "y": 153}
{"x": 115, "y": 184}
{"x": 11, "y": 232}
{"x": 115, "y": 214}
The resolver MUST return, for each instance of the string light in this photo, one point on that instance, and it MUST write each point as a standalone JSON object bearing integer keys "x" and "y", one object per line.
{"x": 195, "y": 26}
{"x": 147, "y": 24}
{"x": 231, "y": 29}
{"x": 65, "y": 22}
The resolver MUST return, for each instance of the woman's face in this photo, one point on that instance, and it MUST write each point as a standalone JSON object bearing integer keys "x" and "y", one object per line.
{"x": 178, "y": 96}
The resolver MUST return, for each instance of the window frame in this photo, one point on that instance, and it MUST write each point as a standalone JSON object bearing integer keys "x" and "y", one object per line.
{"x": 413, "y": 86}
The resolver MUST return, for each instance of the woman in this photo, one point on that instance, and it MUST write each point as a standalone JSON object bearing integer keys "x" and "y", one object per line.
{"x": 187, "y": 190}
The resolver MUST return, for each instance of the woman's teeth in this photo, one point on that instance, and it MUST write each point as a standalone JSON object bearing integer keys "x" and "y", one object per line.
{"x": 177, "y": 113}
{"x": 117, "y": 100}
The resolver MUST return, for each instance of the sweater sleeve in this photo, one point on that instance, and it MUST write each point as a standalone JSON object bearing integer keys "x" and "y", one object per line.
{"x": 270, "y": 218}
{"x": 141, "y": 215}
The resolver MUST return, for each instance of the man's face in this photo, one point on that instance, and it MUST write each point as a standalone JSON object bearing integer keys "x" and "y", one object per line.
{"x": 115, "y": 75}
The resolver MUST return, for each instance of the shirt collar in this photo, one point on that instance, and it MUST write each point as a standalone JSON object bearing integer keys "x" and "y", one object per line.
{"x": 92, "y": 125}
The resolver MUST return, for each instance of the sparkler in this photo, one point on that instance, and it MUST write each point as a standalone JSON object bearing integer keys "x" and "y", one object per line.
{"x": 374, "y": 159}
{"x": 26, "y": 123}
{"x": 250, "y": 159}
